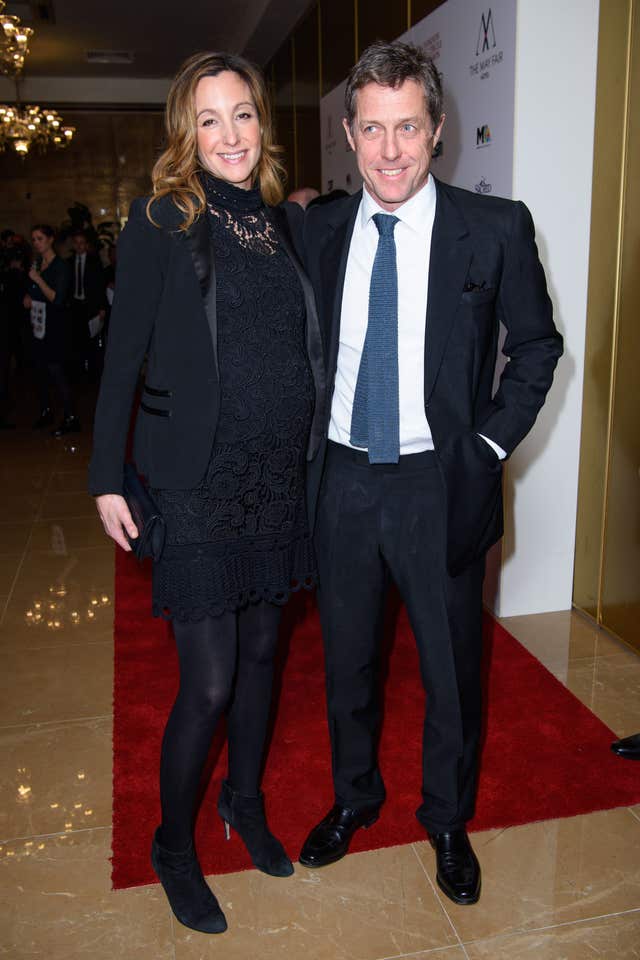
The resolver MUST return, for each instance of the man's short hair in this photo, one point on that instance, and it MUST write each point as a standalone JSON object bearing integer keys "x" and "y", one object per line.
{"x": 390, "y": 64}
{"x": 79, "y": 232}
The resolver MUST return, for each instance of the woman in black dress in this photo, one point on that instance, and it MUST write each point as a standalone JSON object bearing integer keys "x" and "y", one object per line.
{"x": 47, "y": 299}
{"x": 209, "y": 287}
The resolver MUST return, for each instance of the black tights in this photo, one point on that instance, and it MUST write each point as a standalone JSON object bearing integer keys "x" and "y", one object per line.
{"x": 223, "y": 660}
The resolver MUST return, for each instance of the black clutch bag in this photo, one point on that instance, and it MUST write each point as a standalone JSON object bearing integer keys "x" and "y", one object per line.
{"x": 146, "y": 516}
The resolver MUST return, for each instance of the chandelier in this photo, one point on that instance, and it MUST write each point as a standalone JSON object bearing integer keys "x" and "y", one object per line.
{"x": 24, "y": 127}
{"x": 14, "y": 42}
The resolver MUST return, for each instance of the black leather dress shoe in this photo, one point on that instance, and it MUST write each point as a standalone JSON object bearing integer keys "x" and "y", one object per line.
{"x": 330, "y": 839}
{"x": 458, "y": 872}
{"x": 629, "y": 747}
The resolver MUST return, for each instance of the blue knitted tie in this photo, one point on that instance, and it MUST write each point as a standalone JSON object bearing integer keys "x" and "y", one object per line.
{"x": 375, "y": 421}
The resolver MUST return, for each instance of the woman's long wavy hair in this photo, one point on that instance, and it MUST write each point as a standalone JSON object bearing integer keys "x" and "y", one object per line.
{"x": 176, "y": 170}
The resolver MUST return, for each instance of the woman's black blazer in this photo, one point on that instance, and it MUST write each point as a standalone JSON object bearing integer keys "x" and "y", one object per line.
{"x": 165, "y": 307}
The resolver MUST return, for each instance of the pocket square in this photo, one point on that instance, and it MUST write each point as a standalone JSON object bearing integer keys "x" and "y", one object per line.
{"x": 471, "y": 286}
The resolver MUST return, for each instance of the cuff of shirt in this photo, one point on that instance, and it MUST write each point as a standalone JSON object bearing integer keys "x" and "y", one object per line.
{"x": 500, "y": 453}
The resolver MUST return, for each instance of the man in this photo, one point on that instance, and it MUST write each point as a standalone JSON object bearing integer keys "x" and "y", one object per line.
{"x": 412, "y": 278}
{"x": 88, "y": 304}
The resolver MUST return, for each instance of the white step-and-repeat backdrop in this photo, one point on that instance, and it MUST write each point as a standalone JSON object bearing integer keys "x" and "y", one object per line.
{"x": 473, "y": 46}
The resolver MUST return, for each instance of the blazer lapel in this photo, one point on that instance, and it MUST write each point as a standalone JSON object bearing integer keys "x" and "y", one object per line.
{"x": 202, "y": 256}
{"x": 448, "y": 266}
{"x": 333, "y": 268}
{"x": 313, "y": 336}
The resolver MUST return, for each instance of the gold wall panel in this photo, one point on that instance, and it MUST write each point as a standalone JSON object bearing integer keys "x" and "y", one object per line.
{"x": 621, "y": 557}
{"x": 607, "y": 560}
{"x": 610, "y": 122}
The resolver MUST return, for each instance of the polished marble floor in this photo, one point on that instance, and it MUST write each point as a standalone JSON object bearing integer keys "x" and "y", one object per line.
{"x": 558, "y": 890}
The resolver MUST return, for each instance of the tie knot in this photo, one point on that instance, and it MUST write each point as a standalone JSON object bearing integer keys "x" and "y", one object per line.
{"x": 385, "y": 223}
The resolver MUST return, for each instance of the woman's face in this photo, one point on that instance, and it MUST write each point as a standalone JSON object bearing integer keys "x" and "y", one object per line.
{"x": 229, "y": 137}
{"x": 40, "y": 242}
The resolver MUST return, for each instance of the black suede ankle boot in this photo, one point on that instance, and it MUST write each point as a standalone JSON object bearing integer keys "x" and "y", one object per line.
{"x": 246, "y": 816}
{"x": 189, "y": 897}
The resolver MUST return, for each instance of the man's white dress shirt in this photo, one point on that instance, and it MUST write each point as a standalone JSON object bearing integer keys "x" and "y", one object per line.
{"x": 413, "y": 248}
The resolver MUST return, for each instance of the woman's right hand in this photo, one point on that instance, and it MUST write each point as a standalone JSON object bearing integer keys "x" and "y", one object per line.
{"x": 116, "y": 518}
{"x": 27, "y": 302}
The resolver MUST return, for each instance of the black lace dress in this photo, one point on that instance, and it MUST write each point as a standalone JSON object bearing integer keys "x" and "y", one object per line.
{"x": 242, "y": 534}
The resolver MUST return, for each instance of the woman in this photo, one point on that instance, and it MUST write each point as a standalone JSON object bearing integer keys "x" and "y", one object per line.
{"x": 209, "y": 287}
{"x": 47, "y": 301}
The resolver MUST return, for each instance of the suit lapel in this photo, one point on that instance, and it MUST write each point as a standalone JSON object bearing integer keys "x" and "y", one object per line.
{"x": 202, "y": 256}
{"x": 313, "y": 336}
{"x": 333, "y": 268}
{"x": 448, "y": 267}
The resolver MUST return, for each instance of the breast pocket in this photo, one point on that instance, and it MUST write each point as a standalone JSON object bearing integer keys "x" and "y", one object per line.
{"x": 478, "y": 298}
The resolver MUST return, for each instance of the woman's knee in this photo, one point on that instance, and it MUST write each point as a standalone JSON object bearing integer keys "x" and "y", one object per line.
{"x": 206, "y": 698}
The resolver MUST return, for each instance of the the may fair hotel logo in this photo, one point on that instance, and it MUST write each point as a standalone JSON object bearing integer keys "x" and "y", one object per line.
{"x": 488, "y": 54}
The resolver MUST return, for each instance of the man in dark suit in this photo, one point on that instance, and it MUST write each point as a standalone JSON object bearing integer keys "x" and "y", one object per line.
{"x": 88, "y": 304}
{"x": 412, "y": 278}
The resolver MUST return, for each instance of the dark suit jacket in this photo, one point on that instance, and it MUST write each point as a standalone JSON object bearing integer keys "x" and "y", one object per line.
{"x": 165, "y": 307}
{"x": 484, "y": 268}
{"x": 94, "y": 284}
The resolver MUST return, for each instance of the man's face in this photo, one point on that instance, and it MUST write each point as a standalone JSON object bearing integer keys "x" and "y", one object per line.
{"x": 79, "y": 243}
{"x": 393, "y": 137}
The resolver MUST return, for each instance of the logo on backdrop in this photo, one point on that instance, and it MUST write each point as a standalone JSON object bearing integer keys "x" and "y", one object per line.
{"x": 487, "y": 54}
{"x": 483, "y": 186}
{"x": 438, "y": 150}
{"x": 486, "y": 34}
{"x": 483, "y": 136}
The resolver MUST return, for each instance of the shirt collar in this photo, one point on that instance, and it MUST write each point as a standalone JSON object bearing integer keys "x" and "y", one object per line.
{"x": 418, "y": 212}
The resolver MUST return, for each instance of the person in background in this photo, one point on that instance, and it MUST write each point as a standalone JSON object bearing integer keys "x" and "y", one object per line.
{"x": 9, "y": 317}
{"x": 336, "y": 194}
{"x": 88, "y": 308}
{"x": 303, "y": 196}
{"x": 47, "y": 299}
{"x": 5, "y": 350}
{"x": 208, "y": 285}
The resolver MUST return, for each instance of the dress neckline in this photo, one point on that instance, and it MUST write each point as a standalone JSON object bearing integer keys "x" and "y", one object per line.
{"x": 227, "y": 196}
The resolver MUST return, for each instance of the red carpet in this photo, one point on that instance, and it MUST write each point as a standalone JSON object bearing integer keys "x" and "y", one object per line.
{"x": 545, "y": 754}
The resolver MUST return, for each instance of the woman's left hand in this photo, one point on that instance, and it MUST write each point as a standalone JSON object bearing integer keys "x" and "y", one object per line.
{"x": 34, "y": 274}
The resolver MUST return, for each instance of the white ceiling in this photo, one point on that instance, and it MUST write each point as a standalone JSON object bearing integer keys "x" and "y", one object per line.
{"x": 159, "y": 33}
